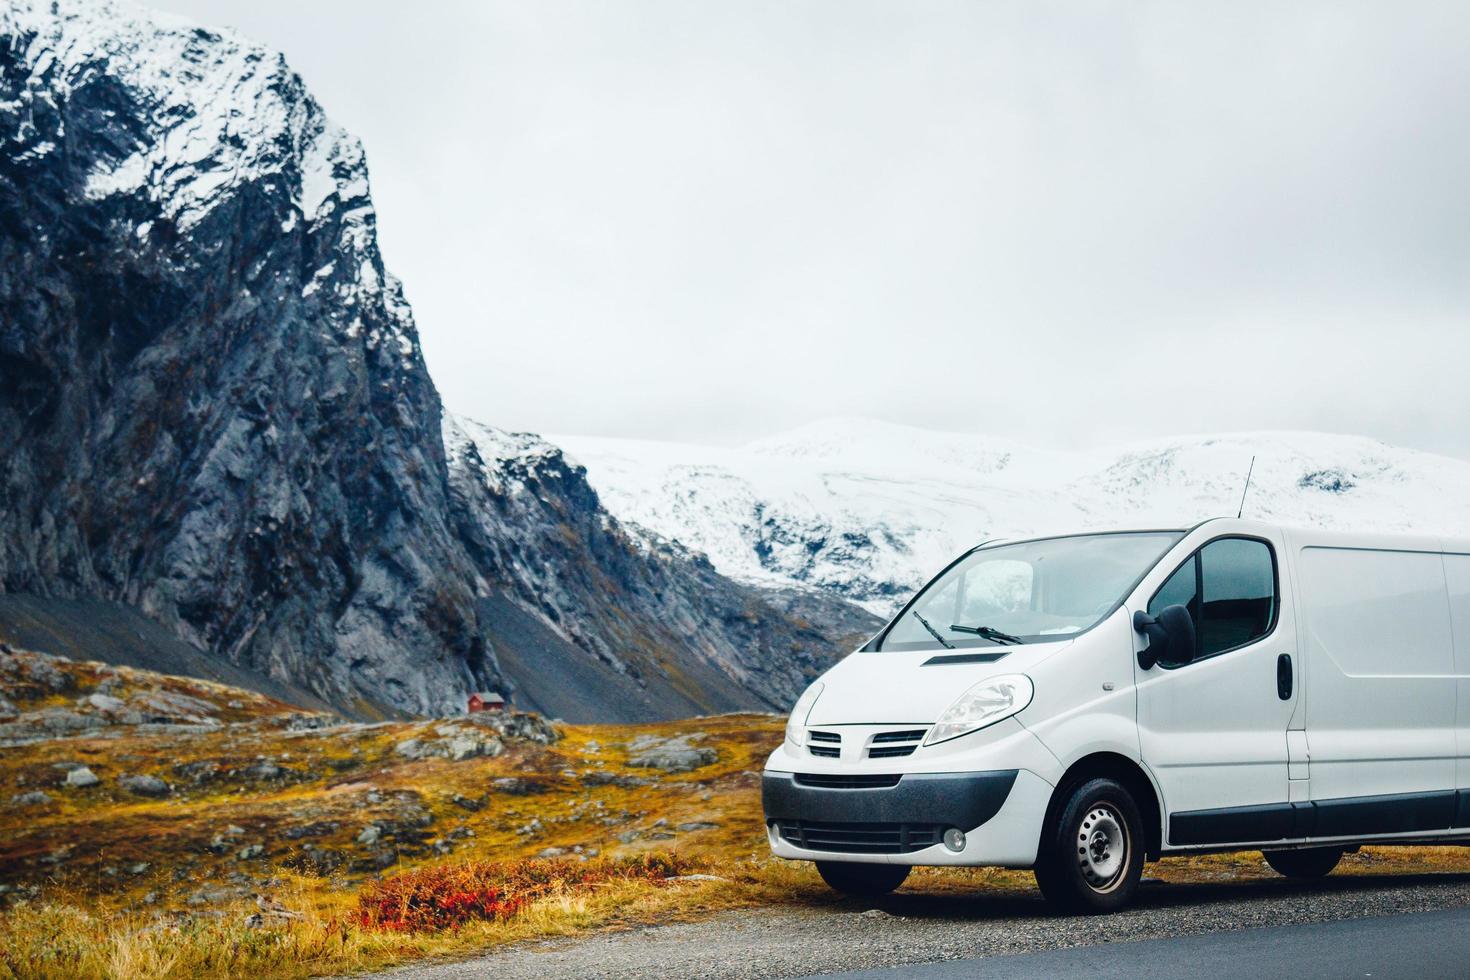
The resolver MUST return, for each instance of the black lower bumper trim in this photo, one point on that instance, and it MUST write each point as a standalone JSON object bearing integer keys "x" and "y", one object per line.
{"x": 861, "y": 838}
{"x": 949, "y": 799}
{"x": 1354, "y": 816}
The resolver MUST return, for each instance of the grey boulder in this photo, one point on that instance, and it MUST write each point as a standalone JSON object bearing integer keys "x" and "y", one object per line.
{"x": 150, "y": 786}
{"x": 673, "y": 754}
{"x": 34, "y": 798}
{"x": 81, "y": 777}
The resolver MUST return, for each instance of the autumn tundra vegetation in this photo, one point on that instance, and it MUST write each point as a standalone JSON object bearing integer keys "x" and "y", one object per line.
{"x": 159, "y": 826}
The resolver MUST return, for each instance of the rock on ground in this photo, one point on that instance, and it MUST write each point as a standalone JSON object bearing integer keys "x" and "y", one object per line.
{"x": 150, "y": 786}
{"x": 81, "y": 777}
{"x": 34, "y": 798}
{"x": 673, "y": 754}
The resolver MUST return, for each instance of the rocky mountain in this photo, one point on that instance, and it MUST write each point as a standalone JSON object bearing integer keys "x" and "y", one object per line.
{"x": 868, "y": 511}
{"x": 588, "y": 611}
{"x": 214, "y": 409}
{"x": 214, "y": 406}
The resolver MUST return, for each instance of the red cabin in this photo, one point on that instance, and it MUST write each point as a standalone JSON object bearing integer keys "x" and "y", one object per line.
{"x": 486, "y": 701}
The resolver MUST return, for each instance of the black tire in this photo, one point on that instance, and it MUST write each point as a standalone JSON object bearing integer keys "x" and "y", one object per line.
{"x": 862, "y": 880}
{"x": 1091, "y": 854}
{"x": 1306, "y": 862}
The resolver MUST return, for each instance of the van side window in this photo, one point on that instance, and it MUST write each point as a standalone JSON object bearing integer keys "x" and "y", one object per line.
{"x": 1239, "y": 578}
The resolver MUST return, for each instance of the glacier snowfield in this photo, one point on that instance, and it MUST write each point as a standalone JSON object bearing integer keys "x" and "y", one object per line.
{"x": 869, "y": 510}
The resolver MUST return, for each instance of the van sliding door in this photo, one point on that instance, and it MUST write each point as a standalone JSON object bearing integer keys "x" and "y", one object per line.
{"x": 1381, "y": 713}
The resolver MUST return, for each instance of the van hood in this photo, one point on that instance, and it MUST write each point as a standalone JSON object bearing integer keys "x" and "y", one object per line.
{"x": 912, "y": 686}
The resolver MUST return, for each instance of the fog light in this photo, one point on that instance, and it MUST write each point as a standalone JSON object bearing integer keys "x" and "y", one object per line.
{"x": 954, "y": 839}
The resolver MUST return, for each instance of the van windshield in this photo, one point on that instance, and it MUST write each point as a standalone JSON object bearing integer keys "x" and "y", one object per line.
{"x": 1029, "y": 591}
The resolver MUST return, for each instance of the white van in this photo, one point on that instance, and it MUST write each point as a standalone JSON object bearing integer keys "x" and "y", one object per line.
{"x": 1076, "y": 704}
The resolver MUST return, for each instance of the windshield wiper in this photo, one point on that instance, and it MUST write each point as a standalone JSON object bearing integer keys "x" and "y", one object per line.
{"x": 934, "y": 632}
{"x": 988, "y": 633}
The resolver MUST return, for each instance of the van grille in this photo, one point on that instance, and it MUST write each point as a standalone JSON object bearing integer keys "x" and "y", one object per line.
{"x": 828, "y": 751}
{"x": 847, "y": 780}
{"x": 860, "y": 838}
{"x": 891, "y": 745}
{"x": 892, "y": 752}
{"x": 907, "y": 735}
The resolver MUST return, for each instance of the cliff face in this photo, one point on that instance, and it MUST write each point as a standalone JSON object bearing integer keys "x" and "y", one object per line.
{"x": 214, "y": 406}
{"x": 213, "y": 409}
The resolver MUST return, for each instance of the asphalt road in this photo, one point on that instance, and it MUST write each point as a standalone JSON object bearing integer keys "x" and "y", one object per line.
{"x": 1261, "y": 928}
{"x": 1411, "y": 946}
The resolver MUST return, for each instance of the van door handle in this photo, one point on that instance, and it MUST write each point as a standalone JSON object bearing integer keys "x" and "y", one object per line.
{"x": 1283, "y": 677}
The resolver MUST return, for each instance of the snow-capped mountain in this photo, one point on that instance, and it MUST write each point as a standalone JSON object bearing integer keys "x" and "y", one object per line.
{"x": 210, "y": 112}
{"x": 214, "y": 412}
{"x": 870, "y": 510}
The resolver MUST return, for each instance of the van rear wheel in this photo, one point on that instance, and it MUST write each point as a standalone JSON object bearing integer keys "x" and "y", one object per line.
{"x": 862, "y": 880}
{"x": 1306, "y": 862}
{"x": 1091, "y": 854}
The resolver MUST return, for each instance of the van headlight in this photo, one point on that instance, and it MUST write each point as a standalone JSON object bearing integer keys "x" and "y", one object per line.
{"x": 984, "y": 704}
{"x": 796, "y": 724}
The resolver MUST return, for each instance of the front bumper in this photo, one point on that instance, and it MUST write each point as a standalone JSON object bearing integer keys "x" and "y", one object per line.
{"x": 951, "y": 799}
{"x": 999, "y": 811}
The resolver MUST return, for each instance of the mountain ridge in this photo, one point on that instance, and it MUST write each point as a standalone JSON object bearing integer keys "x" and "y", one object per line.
{"x": 868, "y": 510}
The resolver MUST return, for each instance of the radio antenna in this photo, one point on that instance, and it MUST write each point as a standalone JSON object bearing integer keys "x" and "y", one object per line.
{"x": 1246, "y": 489}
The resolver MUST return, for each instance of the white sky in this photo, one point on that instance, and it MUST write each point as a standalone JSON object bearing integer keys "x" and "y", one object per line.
{"x": 1065, "y": 224}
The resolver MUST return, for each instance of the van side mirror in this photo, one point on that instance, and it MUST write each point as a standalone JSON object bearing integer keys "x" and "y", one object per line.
{"x": 1170, "y": 637}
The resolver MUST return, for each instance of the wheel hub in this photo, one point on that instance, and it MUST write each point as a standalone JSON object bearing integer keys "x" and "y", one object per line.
{"x": 1102, "y": 847}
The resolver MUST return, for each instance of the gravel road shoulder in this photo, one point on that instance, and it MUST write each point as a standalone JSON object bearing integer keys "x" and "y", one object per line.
{"x": 793, "y": 941}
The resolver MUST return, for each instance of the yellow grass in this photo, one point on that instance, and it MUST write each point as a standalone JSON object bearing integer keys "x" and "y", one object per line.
{"x": 52, "y": 940}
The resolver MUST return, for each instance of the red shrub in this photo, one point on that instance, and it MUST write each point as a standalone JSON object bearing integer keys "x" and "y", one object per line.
{"x": 447, "y": 896}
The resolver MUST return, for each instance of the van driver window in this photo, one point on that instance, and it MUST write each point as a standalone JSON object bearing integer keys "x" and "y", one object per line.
{"x": 1239, "y": 584}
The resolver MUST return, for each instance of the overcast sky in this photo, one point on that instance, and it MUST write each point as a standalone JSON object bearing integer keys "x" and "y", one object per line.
{"x": 1068, "y": 225}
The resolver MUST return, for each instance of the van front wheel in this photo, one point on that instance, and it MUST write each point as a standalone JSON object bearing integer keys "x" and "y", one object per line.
{"x": 1091, "y": 854}
{"x": 862, "y": 880}
{"x": 1307, "y": 862}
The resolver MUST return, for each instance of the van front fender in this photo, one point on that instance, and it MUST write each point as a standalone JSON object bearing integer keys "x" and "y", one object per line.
{"x": 1096, "y": 728}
